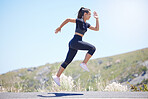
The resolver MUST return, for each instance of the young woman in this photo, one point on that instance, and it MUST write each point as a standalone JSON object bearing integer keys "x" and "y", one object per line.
{"x": 76, "y": 43}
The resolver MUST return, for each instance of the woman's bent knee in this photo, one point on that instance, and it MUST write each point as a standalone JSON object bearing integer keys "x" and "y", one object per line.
{"x": 92, "y": 50}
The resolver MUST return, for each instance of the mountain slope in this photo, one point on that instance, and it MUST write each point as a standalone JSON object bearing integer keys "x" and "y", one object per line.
{"x": 131, "y": 67}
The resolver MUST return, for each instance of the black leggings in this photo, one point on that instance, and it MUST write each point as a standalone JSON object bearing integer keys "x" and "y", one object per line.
{"x": 74, "y": 45}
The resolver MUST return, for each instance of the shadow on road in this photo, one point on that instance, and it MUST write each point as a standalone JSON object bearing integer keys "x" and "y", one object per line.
{"x": 60, "y": 94}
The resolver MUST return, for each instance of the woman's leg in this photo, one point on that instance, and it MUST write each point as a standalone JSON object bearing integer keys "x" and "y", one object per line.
{"x": 87, "y": 57}
{"x": 70, "y": 55}
{"x": 61, "y": 69}
{"x": 81, "y": 45}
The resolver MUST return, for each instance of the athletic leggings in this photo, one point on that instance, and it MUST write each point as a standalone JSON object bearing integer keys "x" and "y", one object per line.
{"x": 74, "y": 45}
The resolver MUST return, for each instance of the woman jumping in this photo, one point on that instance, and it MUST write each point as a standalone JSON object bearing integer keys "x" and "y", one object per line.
{"x": 76, "y": 43}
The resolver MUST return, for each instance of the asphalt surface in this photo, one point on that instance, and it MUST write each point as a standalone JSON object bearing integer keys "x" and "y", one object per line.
{"x": 75, "y": 95}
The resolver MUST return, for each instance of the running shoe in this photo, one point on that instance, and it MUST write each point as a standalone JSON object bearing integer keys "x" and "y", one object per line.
{"x": 84, "y": 66}
{"x": 56, "y": 80}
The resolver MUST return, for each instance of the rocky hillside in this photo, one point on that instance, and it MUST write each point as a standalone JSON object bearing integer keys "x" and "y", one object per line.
{"x": 128, "y": 67}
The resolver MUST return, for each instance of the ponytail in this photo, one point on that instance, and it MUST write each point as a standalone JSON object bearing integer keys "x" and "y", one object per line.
{"x": 81, "y": 12}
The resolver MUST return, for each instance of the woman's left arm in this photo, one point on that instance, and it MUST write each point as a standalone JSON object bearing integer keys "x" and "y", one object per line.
{"x": 97, "y": 23}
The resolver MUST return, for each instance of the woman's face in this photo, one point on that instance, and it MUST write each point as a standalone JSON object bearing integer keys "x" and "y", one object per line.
{"x": 87, "y": 15}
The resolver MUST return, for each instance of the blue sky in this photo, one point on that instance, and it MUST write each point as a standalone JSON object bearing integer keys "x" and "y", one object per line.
{"x": 27, "y": 37}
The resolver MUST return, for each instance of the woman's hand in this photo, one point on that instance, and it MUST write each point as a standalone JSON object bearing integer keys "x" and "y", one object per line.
{"x": 65, "y": 22}
{"x": 96, "y": 28}
{"x": 58, "y": 30}
{"x": 95, "y": 15}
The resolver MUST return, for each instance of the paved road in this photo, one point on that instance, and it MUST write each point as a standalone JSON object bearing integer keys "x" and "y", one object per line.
{"x": 75, "y": 95}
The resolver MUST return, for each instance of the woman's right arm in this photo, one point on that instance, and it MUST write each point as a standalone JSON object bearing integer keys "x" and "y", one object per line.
{"x": 65, "y": 22}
